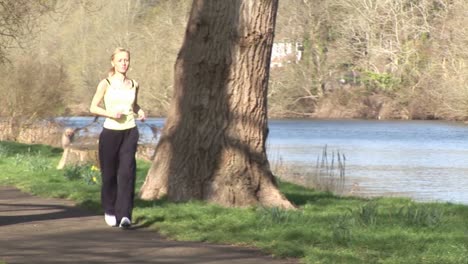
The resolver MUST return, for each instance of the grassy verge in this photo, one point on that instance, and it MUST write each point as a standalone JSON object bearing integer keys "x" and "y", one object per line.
{"x": 325, "y": 228}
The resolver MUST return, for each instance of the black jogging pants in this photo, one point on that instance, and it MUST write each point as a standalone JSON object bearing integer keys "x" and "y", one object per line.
{"x": 117, "y": 150}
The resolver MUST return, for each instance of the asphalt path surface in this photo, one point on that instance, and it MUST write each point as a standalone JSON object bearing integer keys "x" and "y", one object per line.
{"x": 46, "y": 230}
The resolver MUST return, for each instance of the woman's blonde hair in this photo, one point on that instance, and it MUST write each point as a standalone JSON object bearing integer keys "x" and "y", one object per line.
{"x": 117, "y": 50}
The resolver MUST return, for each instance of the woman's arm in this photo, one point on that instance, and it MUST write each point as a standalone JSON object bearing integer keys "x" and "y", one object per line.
{"x": 97, "y": 99}
{"x": 136, "y": 107}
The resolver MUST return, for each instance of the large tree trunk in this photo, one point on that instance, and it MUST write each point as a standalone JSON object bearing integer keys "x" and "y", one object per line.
{"x": 212, "y": 146}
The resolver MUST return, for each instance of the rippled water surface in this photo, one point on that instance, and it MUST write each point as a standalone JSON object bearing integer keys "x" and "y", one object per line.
{"x": 424, "y": 160}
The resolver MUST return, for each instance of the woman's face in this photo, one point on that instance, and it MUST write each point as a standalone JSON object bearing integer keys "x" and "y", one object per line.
{"x": 121, "y": 62}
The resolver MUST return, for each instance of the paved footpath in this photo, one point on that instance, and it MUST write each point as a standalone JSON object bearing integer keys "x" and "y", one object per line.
{"x": 44, "y": 230}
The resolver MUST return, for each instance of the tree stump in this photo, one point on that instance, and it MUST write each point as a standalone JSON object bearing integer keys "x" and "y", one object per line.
{"x": 145, "y": 152}
{"x": 79, "y": 155}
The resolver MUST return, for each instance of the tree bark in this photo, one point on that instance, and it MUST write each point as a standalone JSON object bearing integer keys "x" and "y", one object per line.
{"x": 212, "y": 146}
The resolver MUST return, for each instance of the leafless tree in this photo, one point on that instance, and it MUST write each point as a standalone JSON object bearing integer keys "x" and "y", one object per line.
{"x": 17, "y": 23}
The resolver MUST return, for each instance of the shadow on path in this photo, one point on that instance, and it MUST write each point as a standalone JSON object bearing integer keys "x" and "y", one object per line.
{"x": 23, "y": 213}
{"x": 43, "y": 230}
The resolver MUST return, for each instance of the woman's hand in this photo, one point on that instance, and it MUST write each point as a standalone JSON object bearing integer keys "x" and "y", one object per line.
{"x": 141, "y": 115}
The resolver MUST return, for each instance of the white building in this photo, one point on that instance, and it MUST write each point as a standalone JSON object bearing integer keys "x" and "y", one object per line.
{"x": 285, "y": 52}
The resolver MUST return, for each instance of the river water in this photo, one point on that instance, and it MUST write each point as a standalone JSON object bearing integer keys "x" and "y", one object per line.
{"x": 423, "y": 160}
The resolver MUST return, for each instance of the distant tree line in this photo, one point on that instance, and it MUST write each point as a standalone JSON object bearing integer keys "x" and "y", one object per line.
{"x": 401, "y": 59}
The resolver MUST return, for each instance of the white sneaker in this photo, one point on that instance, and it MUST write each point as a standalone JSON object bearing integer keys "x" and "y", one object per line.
{"x": 110, "y": 220}
{"x": 125, "y": 222}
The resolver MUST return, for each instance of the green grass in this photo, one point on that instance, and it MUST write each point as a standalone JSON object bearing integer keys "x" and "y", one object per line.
{"x": 324, "y": 229}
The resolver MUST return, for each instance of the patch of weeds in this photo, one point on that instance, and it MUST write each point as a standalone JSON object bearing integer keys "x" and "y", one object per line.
{"x": 18, "y": 159}
{"x": 367, "y": 214}
{"x": 32, "y": 161}
{"x": 465, "y": 239}
{"x": 330, "y": 172}
{"x": 274, "y": 215}
{"x": 420, "y": 215}
{"x": 88, "y": 173}
{"x": 341, "y": 230}
{"x": 37, "y": 162}
{"x": 91, "y": 174}
{"x": 4, "y": 152}
{"x": 72, "y": 172}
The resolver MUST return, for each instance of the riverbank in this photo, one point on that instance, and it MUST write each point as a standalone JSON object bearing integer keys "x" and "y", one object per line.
{"x": 324, "y": 229}
{"x": 423, "y": 160}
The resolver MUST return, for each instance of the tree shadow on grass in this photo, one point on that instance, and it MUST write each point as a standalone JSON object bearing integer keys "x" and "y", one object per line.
{"x": 300, "y": 199}
{"x": 10, "y": 148}
{"x": 144, "y": 221}
{"x": 300, "y": 195}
